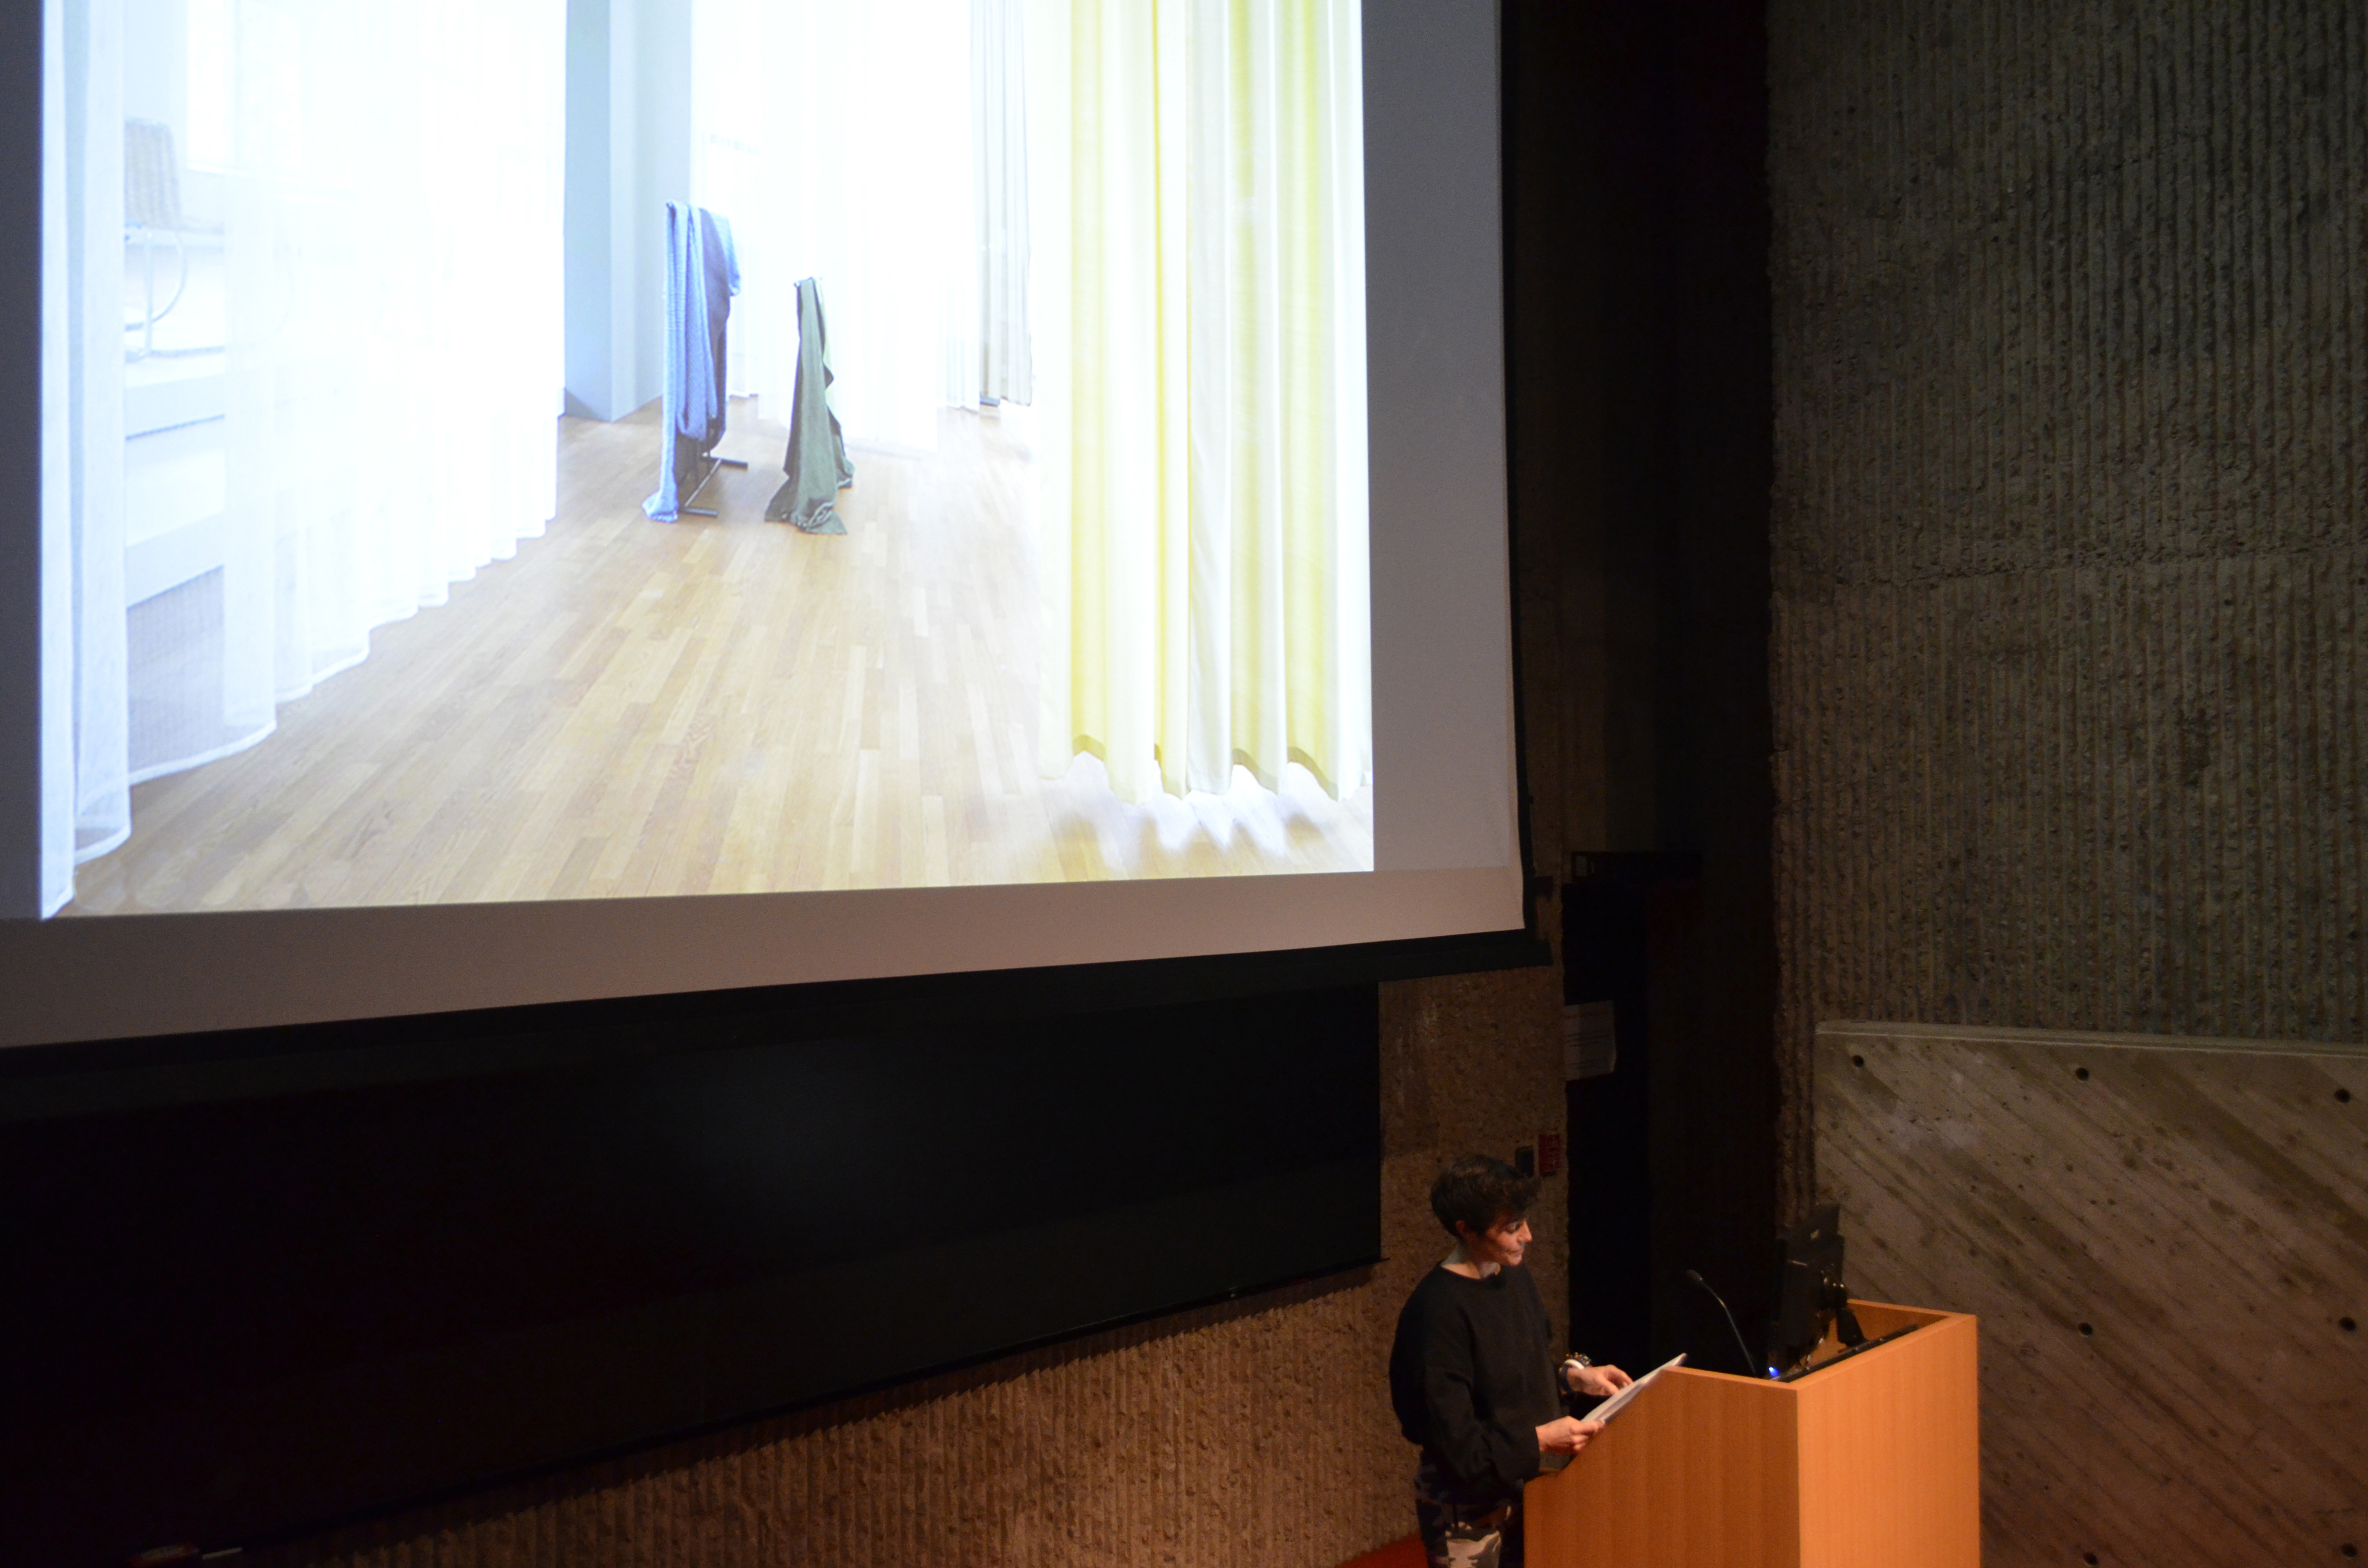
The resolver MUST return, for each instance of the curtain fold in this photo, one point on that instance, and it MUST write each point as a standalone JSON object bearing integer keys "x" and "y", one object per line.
{"x": 999, "y": 100}
{"x": 98, "y": 802}
{"x": 58, "y": 671}
{"x": 1205, "y": 545}
{"x": 350, "y": 404}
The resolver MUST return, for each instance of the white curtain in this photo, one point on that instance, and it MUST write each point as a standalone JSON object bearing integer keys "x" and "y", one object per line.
{"x": 351, "y": 404}
{"x": 86, "y": 807}
{"x": 837, "y": 139}
{"x": 1198, "y": 171}
{"x": 61, "y": 764}
{"x": 999, "y": 104}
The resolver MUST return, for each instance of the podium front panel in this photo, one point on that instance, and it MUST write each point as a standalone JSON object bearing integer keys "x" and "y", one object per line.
{"x": 1890, "y": 1448}
{"x": 1872, "y": 1462}
{"x": 1702, "y": 1471}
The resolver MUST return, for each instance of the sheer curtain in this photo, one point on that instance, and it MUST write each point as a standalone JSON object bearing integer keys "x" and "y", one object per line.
{"x": 1200, "y": 209}
{"x": 999, "y": 112}
{"x": 62, "y": 766}
{"x": 86, "y": 805}
{"x": 351, "y": 404}
{"x": 837, "y": 140}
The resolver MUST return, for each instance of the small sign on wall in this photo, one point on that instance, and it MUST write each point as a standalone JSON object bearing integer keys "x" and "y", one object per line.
{"x": 1591, "y": 1041}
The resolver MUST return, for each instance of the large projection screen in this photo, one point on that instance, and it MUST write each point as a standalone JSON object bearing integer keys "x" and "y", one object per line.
{"x": 1439, "y": 795}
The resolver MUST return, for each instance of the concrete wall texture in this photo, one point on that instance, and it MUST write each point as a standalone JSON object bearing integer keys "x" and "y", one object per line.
{"x": 1257, "y": 1434}
{"x": 2070, "y": 665}
{"x": 2071, "y": 516}
{"x": 2165, "y": 1241}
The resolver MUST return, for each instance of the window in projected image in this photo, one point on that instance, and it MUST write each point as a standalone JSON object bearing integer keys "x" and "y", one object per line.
{"x": 503, "y": 449}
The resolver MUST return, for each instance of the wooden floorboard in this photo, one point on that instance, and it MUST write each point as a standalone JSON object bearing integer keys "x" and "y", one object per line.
{"x": 2167, "y": 1244}
{"x": 631, "y": 707}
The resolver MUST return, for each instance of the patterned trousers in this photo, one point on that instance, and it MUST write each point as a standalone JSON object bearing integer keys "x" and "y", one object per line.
{"x": 1465, "y": 1534}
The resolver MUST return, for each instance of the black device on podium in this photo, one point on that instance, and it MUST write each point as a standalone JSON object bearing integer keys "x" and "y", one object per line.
{"x": 1811, "y": 1299}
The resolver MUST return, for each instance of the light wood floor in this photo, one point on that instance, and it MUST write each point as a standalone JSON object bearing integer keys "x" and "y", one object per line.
{"x": 632, "y": 708}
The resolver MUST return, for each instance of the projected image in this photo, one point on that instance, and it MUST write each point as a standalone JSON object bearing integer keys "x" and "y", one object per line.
{"x": 512, "y": 450}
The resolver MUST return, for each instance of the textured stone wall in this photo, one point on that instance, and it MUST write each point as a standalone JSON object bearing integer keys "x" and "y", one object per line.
{"x": 2071, "y": 517}
{"x": 1259, "y": 1433}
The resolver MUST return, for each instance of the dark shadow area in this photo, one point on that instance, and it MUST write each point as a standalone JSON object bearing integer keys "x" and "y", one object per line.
{"x": 1638, "y": 311}
{"x": 262, "y": 1309}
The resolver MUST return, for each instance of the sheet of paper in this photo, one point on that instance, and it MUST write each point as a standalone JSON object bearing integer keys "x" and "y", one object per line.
{"x": 1591, "y": 1039}
{"x": 1619, "y": 1401}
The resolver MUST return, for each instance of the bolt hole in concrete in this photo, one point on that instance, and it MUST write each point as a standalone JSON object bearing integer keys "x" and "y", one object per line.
{"x": 2347, "y": 1325}
{"x": 2350, "y": 1549}
{"x": 2081, "y": 1074}
{"x": 2087, "y": 1557}
{"x": 1861, "y": 1061}
{"x": 2342, "y": 1097}
{"x": 2087, "y": 1330}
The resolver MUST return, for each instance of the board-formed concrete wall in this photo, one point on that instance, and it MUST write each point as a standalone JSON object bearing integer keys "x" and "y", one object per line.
{"x": 2071, "y": 517}
{"x": 2165, "y": 1241}
{"x": 2070, "y": 671}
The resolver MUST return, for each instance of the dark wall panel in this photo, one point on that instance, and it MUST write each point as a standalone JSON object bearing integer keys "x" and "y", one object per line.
{"x": 1130, "y": 1447}
{"x": 259, "y": 1312}
{"x": 1636, "y": 223}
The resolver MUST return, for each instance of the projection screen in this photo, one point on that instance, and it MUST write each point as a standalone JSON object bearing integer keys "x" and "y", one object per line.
{"x": 1115, "y": 567}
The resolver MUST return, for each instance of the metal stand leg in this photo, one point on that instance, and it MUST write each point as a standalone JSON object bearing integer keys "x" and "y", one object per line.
{"x": 712, "y": 464}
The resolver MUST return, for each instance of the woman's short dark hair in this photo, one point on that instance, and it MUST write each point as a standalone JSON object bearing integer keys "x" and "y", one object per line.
{"x": 1479, "y": 1191}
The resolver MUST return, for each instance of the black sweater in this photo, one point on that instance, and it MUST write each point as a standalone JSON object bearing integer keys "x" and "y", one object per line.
{"x": 1472, "y": 1376}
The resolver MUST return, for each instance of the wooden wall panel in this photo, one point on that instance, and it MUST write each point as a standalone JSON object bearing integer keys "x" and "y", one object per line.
{"x": 1257, "y": 1433}
{"x": 2167, "y": 1242}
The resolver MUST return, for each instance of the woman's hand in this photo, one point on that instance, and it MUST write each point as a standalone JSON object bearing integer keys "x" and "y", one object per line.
{"x": 1566, "y": 1436}
{"x": 1600, "y": 1381}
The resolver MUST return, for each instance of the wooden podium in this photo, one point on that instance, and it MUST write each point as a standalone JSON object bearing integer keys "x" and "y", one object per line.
{"x": 1871, "y": 1462}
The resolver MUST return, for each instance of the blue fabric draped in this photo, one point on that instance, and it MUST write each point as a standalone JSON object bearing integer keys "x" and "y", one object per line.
{"x": 702, "y": 274}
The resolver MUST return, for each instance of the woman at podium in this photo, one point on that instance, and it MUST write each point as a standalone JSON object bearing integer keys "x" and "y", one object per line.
{"x": 1474, "y": 1376}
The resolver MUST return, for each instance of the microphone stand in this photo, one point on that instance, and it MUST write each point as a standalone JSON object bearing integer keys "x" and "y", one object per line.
{"x": 1750, "y": 1369}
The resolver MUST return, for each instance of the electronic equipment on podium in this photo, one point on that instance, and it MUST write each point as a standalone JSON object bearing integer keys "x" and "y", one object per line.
{"x": 1812, "y": 1303}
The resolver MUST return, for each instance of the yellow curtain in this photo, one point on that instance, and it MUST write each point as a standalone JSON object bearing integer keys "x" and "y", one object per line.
{"x": 1202, "y": 421}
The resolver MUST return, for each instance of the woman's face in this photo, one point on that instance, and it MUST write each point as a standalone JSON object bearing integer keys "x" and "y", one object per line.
{"x": 1502, "y": 1243}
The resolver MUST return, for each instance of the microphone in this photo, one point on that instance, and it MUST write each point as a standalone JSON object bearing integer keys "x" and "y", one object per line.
{"x": 1750, "y": 1368}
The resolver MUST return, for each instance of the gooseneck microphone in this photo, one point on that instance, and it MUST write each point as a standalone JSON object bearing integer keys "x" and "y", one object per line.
{"x": 1750, "y": 1368}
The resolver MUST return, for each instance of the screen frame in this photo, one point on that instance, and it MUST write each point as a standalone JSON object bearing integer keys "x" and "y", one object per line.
{"x": 132, "y": 1074}
{"x": 22, "y": 105}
